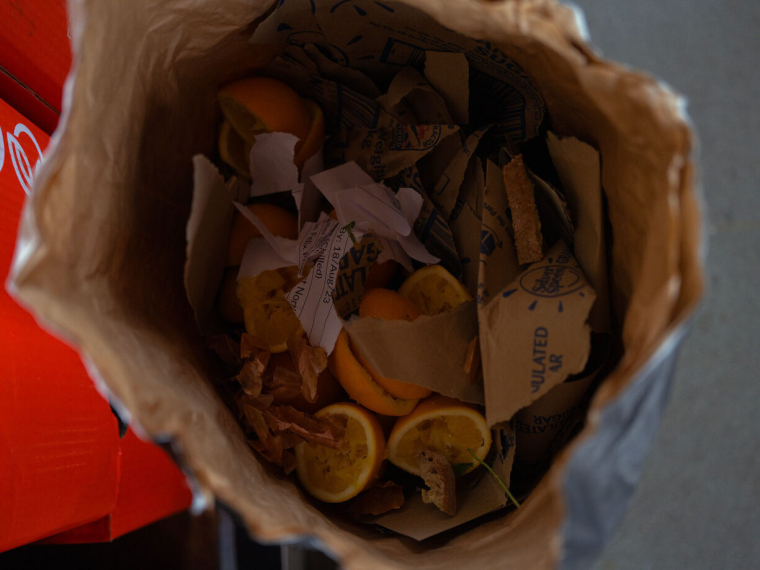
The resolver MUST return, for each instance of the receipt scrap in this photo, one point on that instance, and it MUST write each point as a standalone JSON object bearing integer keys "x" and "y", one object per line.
{"x": 371, "y": 207}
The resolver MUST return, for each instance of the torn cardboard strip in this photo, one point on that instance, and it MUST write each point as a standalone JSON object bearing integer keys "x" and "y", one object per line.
{"x": 429, "y": 351}
{"x": 207, "y": 235}
{"x": 420, "y": 521}
{"x": 533, "y": 333}
{"x": 498, "y": 257}
{"x": 579, "y": 169}
{"x": 466, "y": 222}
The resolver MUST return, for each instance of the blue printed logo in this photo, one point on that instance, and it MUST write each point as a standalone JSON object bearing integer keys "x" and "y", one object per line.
{"x": 489, "y": 241}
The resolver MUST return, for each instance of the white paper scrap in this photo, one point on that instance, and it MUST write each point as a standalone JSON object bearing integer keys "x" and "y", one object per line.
{"x": 259, "y": 256}
{"x": 271, "y": 164}
{"x": 312, "y": 298}
{"x": 372, "y": 206}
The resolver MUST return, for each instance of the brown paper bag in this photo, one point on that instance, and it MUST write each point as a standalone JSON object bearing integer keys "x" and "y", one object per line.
{"x": 102, "y": 246}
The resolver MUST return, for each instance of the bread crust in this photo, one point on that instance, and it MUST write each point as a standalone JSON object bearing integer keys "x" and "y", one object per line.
{"x": 525, "y": 220}
{"x": 439, "y": 477}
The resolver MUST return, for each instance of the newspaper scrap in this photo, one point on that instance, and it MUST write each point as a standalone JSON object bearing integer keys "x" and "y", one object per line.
{"x": 353, "y": 270}
{"x": 387, "y": 149}
{"x": 430, "y": 226}
{"x": 347, "y": 109}
{"x": 533, "y": 333}
{"x": 445, "y": 71}
{"x": 482, "y": 496}
{"x": 446, "y": 190}
{"x": 356, "y": 32}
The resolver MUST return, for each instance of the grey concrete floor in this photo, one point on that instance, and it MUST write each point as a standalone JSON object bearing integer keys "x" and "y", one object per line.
{"x": 698, "y": 502}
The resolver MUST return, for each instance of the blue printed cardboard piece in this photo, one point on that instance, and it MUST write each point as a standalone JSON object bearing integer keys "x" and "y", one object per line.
{"x": 534, "y": 333}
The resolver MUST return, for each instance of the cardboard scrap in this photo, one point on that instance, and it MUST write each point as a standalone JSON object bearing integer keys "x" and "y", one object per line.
{"x": 579, "y": 169}
{"x": 420, "y": 521}
{"x": 429, "y": 351}
{"x": 466, "y": 222}
{"x": 538, "y": 425}
{"x": 554, "y": 212}
{"x": 533, "y": 333}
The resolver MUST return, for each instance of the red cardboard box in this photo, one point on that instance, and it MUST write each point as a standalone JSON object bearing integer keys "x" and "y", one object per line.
{"x": 62, "y": 464}
{"x": 35, "y": 57}
{"x": 150, "y": 488}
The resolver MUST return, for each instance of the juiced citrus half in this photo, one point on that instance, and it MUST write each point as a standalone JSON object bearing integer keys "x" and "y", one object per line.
{"x": 315, "y": 137}
{"x": 361, "y": 387}
{"x": 434, "y": 290}
{"x": 440, "y": 423}
{"x": 269, "y": 317}
{"x": 234, "y": 151}
{"x": 337, "y": 475}
{"x": 263, "y": 105}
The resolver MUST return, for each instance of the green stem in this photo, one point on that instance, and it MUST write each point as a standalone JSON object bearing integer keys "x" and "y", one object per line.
{"x": 348, "y": 228}
{"x": 498, "y": 479}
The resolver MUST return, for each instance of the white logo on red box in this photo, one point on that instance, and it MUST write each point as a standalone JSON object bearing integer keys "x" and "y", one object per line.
{"x": 18, "y": 157}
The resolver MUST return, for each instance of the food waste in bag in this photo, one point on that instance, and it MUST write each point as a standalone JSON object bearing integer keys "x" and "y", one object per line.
{"x": 409, "y": 305}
